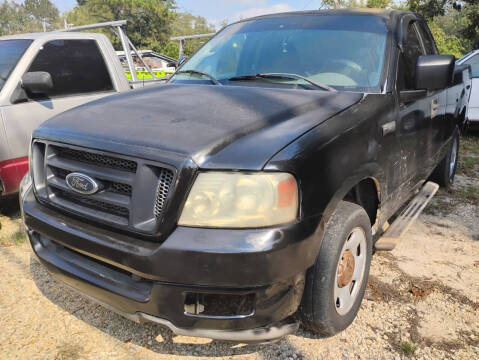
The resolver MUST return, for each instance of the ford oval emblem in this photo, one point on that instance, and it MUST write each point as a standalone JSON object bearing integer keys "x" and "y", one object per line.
{"x": 82, "y": 183}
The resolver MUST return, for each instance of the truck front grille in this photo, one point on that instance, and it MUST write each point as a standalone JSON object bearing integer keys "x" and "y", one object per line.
{"x": 97, "y": 159}
{"x": 162, "y": 191}
{"x": 91, "y": 203}
{"x": 133, "y": 193}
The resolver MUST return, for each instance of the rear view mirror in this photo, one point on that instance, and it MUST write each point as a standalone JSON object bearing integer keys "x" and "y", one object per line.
{"x": 434, "y": 72}
{"x": 37, "y": 82}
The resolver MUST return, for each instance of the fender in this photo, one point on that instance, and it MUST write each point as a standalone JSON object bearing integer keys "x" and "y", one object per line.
{"x": 366, "y": 171}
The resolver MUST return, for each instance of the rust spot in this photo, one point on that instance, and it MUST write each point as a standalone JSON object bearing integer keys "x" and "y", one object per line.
{"x": 346, "y": 269}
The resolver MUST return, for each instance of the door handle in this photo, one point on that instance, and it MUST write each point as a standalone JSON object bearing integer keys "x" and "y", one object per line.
{"x": 468, "y": 87}
{"x": 388, "y": 127}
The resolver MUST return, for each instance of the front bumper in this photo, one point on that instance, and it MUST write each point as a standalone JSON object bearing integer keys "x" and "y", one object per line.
{"x": 147, "y": 281}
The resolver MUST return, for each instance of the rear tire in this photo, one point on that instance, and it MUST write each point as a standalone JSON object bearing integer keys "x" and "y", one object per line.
{"x": 336, "y": 283}
{"x": 446, "y": 170}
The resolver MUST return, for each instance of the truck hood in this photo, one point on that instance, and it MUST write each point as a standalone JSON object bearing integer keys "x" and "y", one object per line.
{"x": 218, "y": 127}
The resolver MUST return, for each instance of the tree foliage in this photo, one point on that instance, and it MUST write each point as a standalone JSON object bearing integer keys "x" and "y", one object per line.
{"x": 379, "y": 4}
{"x": 446, "y": 43}
{"x": 42, "y": 10}
{"x": 187, "y": 24}
{"x": 151, "y": 22}
{"x": 456, "y": 29}
{"x": 27, "y": 17}
{"x": 459, "y": 24}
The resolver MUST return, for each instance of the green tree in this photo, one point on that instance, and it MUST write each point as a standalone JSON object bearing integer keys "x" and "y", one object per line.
{"x": 428, "y": 8}
{"x": 187, "y": 24}
{"x": 149, "y": 20}
{"x": 42, "y": 10}
{"x": 446, "y": 43}
{"x": 471, "y": 30}
{"x": 27, "y": 17}
{"x": 12, "y": 16}
{"x": 377, "y": 4}
{"x": 466, "y": 24}
{"x": 339, "y": 4}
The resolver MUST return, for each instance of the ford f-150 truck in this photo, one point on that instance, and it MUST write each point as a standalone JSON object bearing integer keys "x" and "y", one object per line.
{"x": 255, "y": 202}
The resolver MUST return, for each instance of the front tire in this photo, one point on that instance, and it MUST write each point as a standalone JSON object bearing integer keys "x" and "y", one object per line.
{"x": 335, "y": 285}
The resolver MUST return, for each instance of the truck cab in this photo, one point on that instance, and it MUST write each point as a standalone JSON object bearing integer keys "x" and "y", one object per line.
{"x": 82, "y": 67}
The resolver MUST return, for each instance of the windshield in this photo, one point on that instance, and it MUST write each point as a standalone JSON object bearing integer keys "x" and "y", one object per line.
{"x": 343, "y": 51}
{"x": 10, "y": 52}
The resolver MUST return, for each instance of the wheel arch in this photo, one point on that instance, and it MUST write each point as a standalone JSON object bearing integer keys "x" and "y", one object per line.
{"x": 371, "y": 174}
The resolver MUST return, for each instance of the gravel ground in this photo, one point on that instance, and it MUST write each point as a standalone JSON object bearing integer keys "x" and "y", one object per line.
{"x": 422, "y": 300}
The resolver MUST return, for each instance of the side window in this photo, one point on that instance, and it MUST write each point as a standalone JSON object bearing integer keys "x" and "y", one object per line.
{"x": 408, "y": 59}
{"x": 428, "y": 40}
{"x": 76, "y": 67}
{"x": 474, "y": 62}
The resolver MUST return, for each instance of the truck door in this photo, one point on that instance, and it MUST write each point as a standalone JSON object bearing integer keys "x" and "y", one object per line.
{"x": 473, "y": 106}
{"x": 441, "y": 126}
{"x": 79, "y": 75}
{"x": 415, "y": 129}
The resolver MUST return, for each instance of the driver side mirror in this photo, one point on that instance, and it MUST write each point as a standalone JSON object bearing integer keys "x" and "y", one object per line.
{"x": 434, "y": 72}
{"x": 37, "y": 82}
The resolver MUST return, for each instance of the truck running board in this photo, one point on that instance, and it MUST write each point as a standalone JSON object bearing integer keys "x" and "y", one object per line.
{"x": 393, "y": 234}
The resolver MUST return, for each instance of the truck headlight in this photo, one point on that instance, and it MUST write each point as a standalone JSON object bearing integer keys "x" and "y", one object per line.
{"x": 241, "y": 200}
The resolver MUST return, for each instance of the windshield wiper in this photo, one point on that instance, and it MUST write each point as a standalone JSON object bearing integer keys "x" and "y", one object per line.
{"x": 211, "y": 77}
{"x": 282, "y": 76}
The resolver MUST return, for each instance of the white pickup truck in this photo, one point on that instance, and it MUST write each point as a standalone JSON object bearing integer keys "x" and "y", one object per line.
{"x": 472, "y": 116}
{"x": 44, "y": 74}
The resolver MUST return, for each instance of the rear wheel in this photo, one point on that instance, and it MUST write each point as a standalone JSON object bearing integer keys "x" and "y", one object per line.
{"x": 336, "y": 283}
{"x": 446, "y": 170}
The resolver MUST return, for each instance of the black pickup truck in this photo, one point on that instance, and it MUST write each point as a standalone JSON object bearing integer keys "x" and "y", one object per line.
{"x": 247, "y": 194}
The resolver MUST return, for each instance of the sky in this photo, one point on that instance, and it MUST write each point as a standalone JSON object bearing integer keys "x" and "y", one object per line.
{"x": 216, "y": 11}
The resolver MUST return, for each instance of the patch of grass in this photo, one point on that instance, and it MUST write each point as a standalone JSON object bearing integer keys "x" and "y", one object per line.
{"x": 68, "y": 351}
{"x": 470, "y": 144}
{"x": 467, "y": 165}
{"x": 408, "y": 348}
{"x": 439, "y": 206}
{"x": 468, "y": 193}
{"x": 19, "y": 238}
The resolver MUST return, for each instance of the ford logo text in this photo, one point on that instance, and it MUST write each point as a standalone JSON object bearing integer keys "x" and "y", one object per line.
{"x": 82, "y": 184}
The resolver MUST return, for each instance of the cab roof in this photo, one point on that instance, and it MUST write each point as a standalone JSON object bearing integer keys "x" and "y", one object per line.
{"x": 53, "y": 35}
{"x": 391, "y": 16}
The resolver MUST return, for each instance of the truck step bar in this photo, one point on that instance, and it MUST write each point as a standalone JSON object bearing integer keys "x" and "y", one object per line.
{"x": 393, "y": 234}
